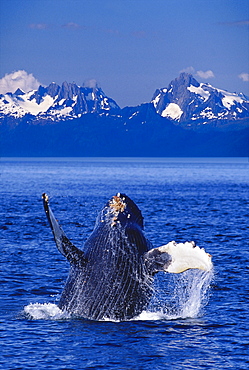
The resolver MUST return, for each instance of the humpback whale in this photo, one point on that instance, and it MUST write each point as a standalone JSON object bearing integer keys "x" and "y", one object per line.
{"x": 112, "y": 277}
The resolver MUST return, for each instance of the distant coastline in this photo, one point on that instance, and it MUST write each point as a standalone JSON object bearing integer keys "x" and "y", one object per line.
{"x": 132, "y": 159}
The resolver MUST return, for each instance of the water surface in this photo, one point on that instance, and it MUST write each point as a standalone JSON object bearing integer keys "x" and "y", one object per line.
{"x": 205, "y": 200}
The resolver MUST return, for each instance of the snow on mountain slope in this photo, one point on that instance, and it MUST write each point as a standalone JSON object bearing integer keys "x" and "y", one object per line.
{"x": 56, "y": 102}
{"x": 18, "y": 106}
{"x": 187, "y": 100}
{"x": 172, "y": 111}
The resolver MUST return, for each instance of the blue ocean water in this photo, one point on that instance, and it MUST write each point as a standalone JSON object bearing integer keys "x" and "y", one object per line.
{"x": 187, "y": 327}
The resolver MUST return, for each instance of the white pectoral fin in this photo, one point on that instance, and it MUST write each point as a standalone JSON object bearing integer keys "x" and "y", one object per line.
{"x": 176, "y": 258}
{"x": 186, "y": 256}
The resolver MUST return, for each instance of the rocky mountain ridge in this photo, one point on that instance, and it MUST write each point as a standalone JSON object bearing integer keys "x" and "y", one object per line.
{"x": 185, "y": 102}
{"x": 55, "y": 103}
{"x": 185, "y": 119}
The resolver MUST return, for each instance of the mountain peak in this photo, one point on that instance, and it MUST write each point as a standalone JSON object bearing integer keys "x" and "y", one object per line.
{"x": 55, "y": 102}
{"x": 186, "y": 79}
{"x": 19, "y": 92}
{"x": 187, "y": 101}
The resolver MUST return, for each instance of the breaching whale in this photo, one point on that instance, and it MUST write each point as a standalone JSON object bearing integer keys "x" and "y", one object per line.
{"x": 112, "y": 277}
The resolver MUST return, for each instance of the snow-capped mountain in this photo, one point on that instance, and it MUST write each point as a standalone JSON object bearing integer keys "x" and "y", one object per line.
{"x": 56, "y": 102}
{"x": 186, "y": 119}
{"x": 186, "y": 100}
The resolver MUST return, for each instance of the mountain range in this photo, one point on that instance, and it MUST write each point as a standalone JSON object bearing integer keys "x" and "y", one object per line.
{"x": 82, "y": 120}
{"x": 191, "y": 103}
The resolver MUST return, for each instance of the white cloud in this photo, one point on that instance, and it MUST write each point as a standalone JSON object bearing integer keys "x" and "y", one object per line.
{"x": 71, "y": 25}
{"x": 244, "y": 77}
{"x": 188, "y": 70}
{"x": 237, "y": 23}
{"x": 91, "y": 83}
{"x": 205, "y": 75}
{"x": 201, "y": 74}
{"x": 18, "y": 79}
{"x": 38, "y": 26}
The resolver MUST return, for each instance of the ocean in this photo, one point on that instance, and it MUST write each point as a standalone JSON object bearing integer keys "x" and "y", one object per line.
{"x": 195, "y": 320}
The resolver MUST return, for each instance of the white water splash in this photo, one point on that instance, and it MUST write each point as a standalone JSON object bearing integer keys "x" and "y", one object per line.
{"x": 191, "y": 289}
{"x": 182, "y": 297}
{"x": 45, "y": 311}
{"x": 179, "y": 296}
{"x": 186, "y": 297}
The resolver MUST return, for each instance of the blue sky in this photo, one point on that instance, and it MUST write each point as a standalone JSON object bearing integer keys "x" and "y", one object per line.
{"x": 130, "y": 48}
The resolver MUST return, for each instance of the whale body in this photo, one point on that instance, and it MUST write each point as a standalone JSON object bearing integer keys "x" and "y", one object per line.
{"x": 112, "y": 277}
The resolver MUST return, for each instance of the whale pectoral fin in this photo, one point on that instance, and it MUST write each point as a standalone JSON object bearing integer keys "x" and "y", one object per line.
{"x": 65, "y": 246}
{"x": 176, "y": 258}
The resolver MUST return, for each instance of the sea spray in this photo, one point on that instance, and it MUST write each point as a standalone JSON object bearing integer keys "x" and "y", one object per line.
{"x": 176, "y": 296}
{"x": 45, "y": 311}
{"x": 191, "y": 291}
{"x": 179, "y": 295}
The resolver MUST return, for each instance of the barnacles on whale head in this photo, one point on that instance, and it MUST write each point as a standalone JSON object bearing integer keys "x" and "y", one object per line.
{"x": 117, "y": 203}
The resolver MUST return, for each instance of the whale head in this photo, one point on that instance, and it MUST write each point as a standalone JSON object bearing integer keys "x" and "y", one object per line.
{"x": 121, "y": 210}
{"x": 119, "y": 227}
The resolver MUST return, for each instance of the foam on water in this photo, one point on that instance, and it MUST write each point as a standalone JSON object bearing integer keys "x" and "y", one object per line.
{"x": 188, "y": 296}
{"x": 45, "y": 311}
